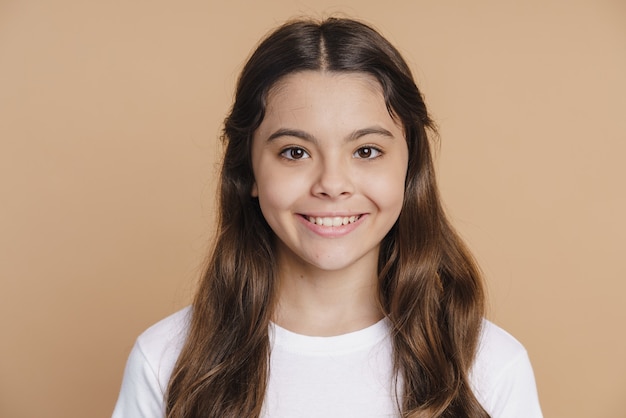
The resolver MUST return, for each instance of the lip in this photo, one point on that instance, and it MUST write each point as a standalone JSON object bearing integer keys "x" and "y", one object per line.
{"x": 331, "y": 231}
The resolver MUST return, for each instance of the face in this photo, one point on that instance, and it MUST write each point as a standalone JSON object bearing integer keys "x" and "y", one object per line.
{"x": 329, "y": 164}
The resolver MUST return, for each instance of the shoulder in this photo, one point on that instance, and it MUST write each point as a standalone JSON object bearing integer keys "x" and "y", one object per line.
{"x": 161, "y": 344}
{"x": 167, "y": 335}
{"x": 497, "y": 346}
{"x": 150, "y": 366}
{"x": 502, "y": 376}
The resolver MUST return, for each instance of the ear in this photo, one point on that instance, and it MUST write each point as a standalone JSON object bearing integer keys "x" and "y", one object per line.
{"x": 255, "y": 190}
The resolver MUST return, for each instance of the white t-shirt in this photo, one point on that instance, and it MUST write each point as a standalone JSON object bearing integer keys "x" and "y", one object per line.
{"x": 349, "y": 375}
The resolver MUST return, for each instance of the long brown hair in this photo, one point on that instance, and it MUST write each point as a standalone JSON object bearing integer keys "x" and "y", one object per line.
{"x": 429, "y": 286}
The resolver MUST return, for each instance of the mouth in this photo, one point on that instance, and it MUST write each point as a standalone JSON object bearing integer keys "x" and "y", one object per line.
{"x": 332, "y": 220}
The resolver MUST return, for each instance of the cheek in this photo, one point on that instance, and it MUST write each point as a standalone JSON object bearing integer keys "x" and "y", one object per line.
{"x": 392, "y": 197}
{"x": 278, "y": 192}
{"x": 389, "y": 189}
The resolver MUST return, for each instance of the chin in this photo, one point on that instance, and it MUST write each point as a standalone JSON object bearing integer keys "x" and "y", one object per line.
{"x": 335, "y": 262}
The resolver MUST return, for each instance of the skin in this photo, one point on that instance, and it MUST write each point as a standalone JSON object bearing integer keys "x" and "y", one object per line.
{"x": 328, "y": 151}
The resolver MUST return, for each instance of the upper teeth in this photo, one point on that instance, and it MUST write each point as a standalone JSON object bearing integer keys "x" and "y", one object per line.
{"x": 332, "y": 221}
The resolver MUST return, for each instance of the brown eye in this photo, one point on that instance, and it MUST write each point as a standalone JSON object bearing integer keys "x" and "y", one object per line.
{"x": 294, "y": 153}
{"x": 367, "y": 153}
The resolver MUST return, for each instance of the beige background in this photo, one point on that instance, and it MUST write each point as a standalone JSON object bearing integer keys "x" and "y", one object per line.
{"x": 109, "y": 114}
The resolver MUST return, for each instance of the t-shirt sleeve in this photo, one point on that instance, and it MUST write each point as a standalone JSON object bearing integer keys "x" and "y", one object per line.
{"x": 515, "y": 391}
{"x": 150, "y": 366}
{"x": 502, "y": 376}
{"x": 141, "y": 395}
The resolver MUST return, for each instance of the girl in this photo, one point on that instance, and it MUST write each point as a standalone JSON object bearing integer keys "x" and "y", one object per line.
{"x": 337, "y": 286}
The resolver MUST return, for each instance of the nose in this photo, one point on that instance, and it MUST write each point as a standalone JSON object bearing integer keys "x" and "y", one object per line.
{"x": 333, "y": 180}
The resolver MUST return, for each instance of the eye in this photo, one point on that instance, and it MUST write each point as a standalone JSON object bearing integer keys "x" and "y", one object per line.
{"x": 367, "y": 153}
{"x": 294, "y": 153}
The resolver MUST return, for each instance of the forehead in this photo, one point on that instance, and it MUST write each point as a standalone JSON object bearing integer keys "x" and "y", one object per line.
{"x": 316, "y": 79}
{"x": 339, "y": 97}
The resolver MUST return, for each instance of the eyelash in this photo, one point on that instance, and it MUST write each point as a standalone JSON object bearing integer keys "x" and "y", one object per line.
{"x": 373, "y": 150}
{"x": 287, "y": 153}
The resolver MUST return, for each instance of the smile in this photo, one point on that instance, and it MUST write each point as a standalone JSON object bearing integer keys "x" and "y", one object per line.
{"x": 332, "y": 221}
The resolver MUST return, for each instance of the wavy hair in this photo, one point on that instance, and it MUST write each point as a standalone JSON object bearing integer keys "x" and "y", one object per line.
{"x": 429, "y": 286}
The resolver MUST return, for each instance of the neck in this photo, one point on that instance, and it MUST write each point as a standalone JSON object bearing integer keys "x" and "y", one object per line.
{"x": 326, "y": 303}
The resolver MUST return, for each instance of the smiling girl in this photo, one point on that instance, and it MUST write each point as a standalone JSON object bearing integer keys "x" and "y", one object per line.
{"x": 336, "y": 287}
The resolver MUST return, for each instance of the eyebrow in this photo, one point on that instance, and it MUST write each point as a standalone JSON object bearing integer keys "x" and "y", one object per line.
{"x": 297, "y": 133}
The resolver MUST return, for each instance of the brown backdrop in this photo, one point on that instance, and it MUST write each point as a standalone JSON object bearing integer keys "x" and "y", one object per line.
{"x": 109, "y": 118}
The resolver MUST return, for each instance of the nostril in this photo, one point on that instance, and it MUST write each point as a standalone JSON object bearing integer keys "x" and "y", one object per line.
{"x": 333, "y": 185}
